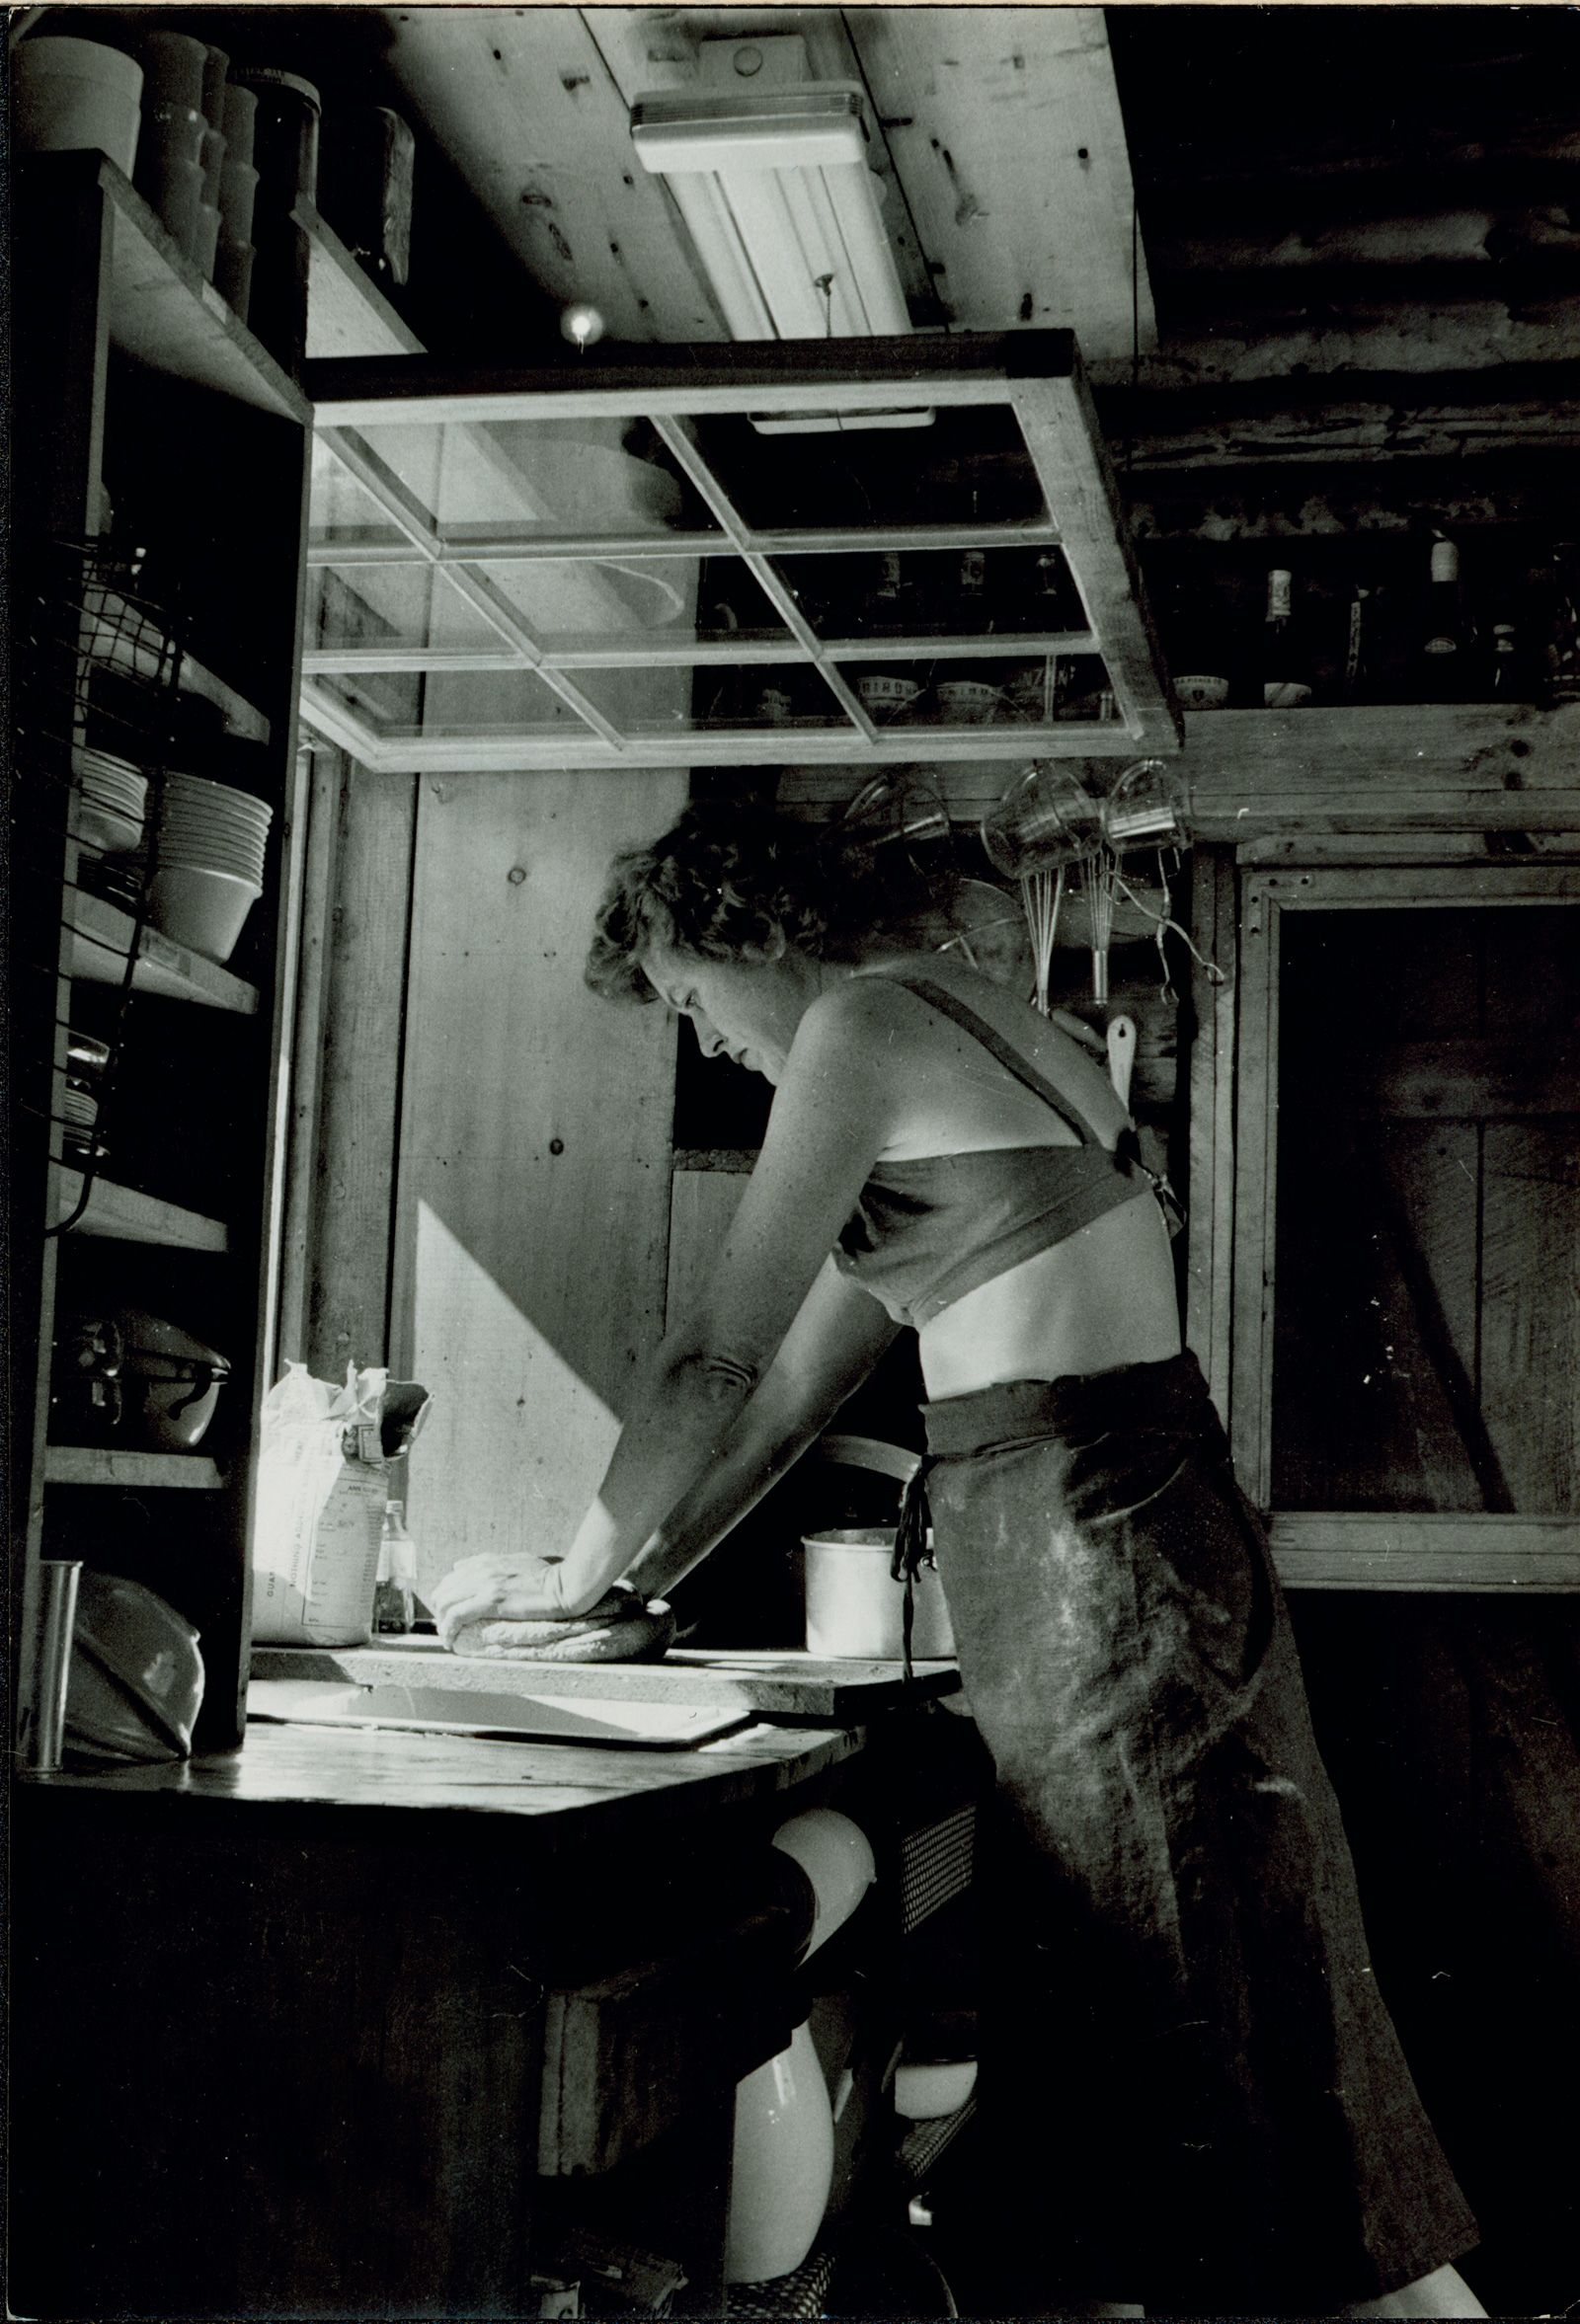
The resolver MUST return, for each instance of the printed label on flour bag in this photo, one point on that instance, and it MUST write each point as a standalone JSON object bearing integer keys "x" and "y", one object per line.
{"x": 321, "y": 1492}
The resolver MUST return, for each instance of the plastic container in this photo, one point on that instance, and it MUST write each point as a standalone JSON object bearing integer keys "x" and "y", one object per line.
{"x": 174, "y": 65}
{"x": 233, "y": 276}
{"x": 238, "y": 187}
{"x": 855, "y": 1609}
{"x": 206, "y": 239}
{"x": 241, "y": 106}
{"x": 285, "y": 130}
{"x": 213, "y": 160}
{"x": 216, "y": 64}
{"x": 74, "y": 95}
{"x": 174, "y": 187}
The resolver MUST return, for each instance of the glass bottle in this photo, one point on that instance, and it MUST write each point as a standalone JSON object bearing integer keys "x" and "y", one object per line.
{"x": 1563, "y": 657}
{"x": 1286, "y": 664}
{"x": 1444, "y": 661}
{"x": 394, "y": 1598}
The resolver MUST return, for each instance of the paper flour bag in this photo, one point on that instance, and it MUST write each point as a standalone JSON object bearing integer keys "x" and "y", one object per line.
{"x": 320, "y": 1489}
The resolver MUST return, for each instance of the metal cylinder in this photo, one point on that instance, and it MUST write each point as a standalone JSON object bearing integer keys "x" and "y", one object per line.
{"x": 41, "y": 1725}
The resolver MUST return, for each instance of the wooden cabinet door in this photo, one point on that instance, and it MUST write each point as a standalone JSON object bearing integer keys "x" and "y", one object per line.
{"x": 1406, "y": 1377}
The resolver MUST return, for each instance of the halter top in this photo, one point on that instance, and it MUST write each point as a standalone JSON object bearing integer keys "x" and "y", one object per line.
{"x": 926, "y": 1232}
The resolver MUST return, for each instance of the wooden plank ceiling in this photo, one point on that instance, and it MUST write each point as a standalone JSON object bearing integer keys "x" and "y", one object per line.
{"x": 1353, "y": 242}
{"x": 1318, "y": 189}
{"x": 1000, "y": 142}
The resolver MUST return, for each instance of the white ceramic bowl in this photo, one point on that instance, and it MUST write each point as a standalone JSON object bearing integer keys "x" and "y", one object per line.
{"x": 221, "y": 797}
{"x": 925, "y": 2091}
{"x": 1202, "y": 693}
{"x": 968, "y": 702}
{"x": 113, "y": 828}
{"x": 836, "y": 1856}
{"x": 204, "y": 910}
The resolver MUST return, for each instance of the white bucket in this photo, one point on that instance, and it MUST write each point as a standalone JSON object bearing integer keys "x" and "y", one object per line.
{"x": 855, "y": 1609}
{"x": 77, "y": 95}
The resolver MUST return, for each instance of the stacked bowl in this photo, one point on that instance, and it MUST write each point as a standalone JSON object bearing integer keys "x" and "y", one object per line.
{"x": 112, "y": 795}
{"x": 207, "y": 869}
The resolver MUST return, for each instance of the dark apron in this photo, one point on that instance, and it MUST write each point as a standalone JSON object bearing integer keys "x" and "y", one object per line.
{"x": 1189, "y": 2080}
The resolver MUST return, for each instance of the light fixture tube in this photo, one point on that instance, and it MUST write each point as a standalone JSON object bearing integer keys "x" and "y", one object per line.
{"x": 783, "y": 210}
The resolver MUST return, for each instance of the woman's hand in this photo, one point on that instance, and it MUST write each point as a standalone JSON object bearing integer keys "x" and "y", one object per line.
{"x": 497, "y": 1585}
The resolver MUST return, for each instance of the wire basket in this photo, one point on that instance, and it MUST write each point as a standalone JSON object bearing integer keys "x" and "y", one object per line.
{"x": 96, "y": 677}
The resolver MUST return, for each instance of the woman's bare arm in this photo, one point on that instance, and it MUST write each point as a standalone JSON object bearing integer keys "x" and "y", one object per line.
{"x": 844, "y": 1087}
{"x": 826, "y": 1353}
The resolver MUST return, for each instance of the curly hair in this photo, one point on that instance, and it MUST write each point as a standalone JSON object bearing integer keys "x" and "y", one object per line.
{"x": 730, "y": 881}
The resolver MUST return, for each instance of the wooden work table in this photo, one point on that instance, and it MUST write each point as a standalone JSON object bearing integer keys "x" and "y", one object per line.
{"x": 553, "y": 1797}
{"x": 367, "y": 2023}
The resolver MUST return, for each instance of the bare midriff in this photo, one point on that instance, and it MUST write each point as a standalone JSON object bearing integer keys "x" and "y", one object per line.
{"x": 1102, "y": 1297}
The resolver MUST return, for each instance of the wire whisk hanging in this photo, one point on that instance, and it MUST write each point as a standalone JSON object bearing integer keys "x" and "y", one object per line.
{"x": 1044, "y": 823}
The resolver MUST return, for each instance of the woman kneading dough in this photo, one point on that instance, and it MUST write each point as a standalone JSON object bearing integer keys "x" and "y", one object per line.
{"x": 1190, "y": 2087}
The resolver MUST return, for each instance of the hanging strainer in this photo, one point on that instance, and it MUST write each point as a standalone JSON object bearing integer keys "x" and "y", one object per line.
{"x": 1149, "y": 806}
{"x": 1043, "y": 821}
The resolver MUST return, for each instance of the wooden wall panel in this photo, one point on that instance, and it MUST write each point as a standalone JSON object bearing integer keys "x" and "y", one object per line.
{"x": 1529, "y": 1323}
{"x": 533, "y": 1199}
{"x": 702, "y": 1206}
{"x": 358, "y": 1097}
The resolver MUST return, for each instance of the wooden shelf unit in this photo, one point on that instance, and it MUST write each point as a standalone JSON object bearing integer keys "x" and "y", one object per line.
{"x": 161, "y": 309}
{"x": 195, "y": 677}
{"x": 121, "y": 1215}
{"x": 165, "y": 1472}
{"x": 100, "y": 940}
{"x": 124, "y": 352}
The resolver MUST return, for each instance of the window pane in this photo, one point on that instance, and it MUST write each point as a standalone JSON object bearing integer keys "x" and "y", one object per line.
{"x": 393, "y": 605}
{"x": 982, "y": 690}
{"x": 1425, "y": 1349}
{"x": 748, "y": 697}
{"x": 970, "y": 466}
{"x": 483, "y": 481}
{"x": 623, "y": 599}
{"x": 936, "y": 592}
{"x": 439, "y": 705}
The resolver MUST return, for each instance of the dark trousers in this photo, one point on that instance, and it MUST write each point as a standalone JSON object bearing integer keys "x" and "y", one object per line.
{"x": 1191, "y": 2089}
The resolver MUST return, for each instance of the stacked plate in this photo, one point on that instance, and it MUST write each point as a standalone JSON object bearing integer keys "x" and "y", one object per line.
{"x": 80, "y": 1114}
{"x": 207, "y": 869}
{"x": 112, "y": 796}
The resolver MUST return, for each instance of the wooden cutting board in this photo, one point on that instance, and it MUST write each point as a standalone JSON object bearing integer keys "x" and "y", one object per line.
{"x": 780, "y": 1684}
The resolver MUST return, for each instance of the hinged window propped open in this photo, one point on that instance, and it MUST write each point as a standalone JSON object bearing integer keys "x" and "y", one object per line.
{"x": 612, "y": 565}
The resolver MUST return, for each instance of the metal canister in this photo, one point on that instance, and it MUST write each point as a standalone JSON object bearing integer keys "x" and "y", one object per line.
{"x": 42, "y": 1711}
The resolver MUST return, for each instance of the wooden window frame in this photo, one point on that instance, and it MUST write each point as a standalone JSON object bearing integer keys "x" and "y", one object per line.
{"x": 1037, "y": 375}
{"x": 1230, "y": 1268}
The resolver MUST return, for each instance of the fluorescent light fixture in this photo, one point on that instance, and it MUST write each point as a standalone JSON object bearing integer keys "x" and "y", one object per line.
{"x": 778, "y": 200}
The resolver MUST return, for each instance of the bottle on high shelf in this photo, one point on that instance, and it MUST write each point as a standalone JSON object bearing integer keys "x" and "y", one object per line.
{"x": 1196, "y": 642}
{"x": 971, "y": 591}
{"x": 1284, "y": 658}
{"x": 1562, "y": 644}
{"x": 1508, "y": 678}
{"x": 1444, "y": 662}
{"x": 1356, "y": 676}
{"x": 891, "y": 593}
